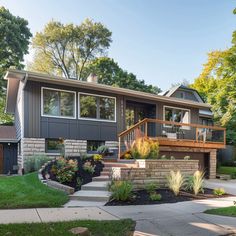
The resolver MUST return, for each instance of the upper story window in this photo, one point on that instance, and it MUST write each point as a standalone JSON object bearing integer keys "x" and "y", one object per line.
{"x": 58, "y": 103}
{"x": 175, "y": 114}
{"x": 97, "y": 107}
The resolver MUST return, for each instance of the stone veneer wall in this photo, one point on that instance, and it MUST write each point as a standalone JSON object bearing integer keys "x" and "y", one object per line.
{"x": 154, "y": 171}
{"x": 75, "y": 147}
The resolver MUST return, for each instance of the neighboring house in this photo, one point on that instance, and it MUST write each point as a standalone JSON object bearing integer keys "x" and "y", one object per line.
{"x": 85, "y": 115}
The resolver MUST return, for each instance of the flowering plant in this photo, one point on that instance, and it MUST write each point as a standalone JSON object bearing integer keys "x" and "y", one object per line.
{"x": 88, "y": 167}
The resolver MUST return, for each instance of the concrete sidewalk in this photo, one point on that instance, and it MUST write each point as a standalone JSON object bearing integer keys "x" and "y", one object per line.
{"x": 228, "y": 185}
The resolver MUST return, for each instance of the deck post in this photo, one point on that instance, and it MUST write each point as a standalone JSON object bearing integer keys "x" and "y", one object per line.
{"x": 119, "y": 150}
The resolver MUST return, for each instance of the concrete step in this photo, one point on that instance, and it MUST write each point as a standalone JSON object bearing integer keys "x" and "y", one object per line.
{"x": 96, "y": 186}
{"x": 101, "y": 178}
{"x": 109, "y": 164}
{"x": 107, "y": 173}
{"x": 90, "y": 195}
{"x": 77, "y": 203}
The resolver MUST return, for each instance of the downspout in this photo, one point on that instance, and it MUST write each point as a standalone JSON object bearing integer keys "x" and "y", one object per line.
{"x": 23, "y": 121}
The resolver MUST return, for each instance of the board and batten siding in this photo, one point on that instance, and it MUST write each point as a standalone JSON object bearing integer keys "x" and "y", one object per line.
{"x": 37, "y": 126}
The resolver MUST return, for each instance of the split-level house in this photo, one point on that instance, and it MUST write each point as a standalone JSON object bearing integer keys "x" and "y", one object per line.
{"x": 49, "y": 110}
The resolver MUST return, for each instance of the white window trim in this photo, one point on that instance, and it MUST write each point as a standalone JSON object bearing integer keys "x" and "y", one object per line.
{"x": 95, "y": 119}
{"x": 180, "y": 108}
{"x": 60, "y": 90}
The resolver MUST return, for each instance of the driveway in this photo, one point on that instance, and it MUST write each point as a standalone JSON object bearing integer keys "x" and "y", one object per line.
{"x": 179, "y": 219}
{"x": 228, "y": 185}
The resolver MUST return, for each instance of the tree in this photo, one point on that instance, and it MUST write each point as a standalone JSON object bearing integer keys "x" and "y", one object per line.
{"x": 109, "y": 73}
{"x": 217, "y": 84}
{"x": 68, "y": 48}
{"x": 14, "y": 41}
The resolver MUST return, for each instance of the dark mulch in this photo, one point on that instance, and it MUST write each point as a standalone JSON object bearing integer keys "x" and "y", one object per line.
{"x": 141, "y": 197}
{"x": 85, "y": 176}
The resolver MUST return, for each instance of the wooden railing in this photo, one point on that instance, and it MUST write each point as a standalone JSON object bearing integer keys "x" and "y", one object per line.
{"x": 169, "y": 133}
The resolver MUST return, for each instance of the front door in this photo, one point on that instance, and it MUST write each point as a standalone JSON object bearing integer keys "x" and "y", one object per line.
{"x": 1, "y": 159}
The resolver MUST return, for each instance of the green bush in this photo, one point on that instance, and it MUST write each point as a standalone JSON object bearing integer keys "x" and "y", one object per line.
{"x": 97, "y": 157}
{"x": 195, "y": 182}
{"x": 187, "y": 158}
{"x": 151, "y": 187}
{"x": 155, "y": 197}
{"x": 121, "y": 190}
{"x": 219, "y": 191}
{"x": 34, "y": 163}
{"x": 103, "y": 150}
{"x": 87, "y": 166}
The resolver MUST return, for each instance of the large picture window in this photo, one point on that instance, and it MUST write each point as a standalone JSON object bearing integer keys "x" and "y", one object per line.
{"x": 58, "y": 103}
{"x": 175, "y": 114}
{"x": 97, "y": 107}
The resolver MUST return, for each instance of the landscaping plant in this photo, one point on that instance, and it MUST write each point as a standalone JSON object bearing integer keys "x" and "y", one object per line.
{"x": 175, "y": 181}
{"x": 195, "y": 182}
{"x": 219, "y": 191}
{"x": 187, "y": 158}
{"x": 89, "y": 167}
{"x": 121, "y": 190}
{"x": 155, "y": 197}
{"x": 34, "y": 163}
{"x": 97, "y": 157}
{"x": 103, "y": 150}
{"x": 151, "y": 187}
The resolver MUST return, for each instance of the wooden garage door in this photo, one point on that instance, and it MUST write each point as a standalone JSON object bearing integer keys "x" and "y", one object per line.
{"x": 1, "y": 159}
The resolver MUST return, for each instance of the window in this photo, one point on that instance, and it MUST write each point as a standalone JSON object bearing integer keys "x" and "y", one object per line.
{"x": 97, "y": 107}
{"x": 54, "y": 145}
{"x": 58, "y": 103}
{"x": 177, "y": 115}
{"x": 93, "y": 145}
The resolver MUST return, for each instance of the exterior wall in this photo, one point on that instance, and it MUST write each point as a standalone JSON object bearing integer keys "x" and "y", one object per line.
{"x": 187, "y": 95}
{"x": 154, "y": 171}
{"x": 75, "y": 147}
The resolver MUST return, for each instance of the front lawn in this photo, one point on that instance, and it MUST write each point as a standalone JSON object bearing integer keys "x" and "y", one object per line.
{"x": 28, "y": 192}
{"x": 97, "y": 228}
{"x": 224, "y": 211}
{"x": 227, "y": 170}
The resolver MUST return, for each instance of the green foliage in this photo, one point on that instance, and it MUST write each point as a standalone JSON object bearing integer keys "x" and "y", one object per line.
{"x": 195, "y": 182}
{"x": 227, "y": 170}
{"x": 121, "y": 190}
{"x": 143, "y": 148}
{"x": 86, "y": 156}
{"x": 66, "y": 169}
{"x": 103, "y": 150}
{"x": 67, "y": 48}
{"x": 175, "y": 181}
{"x": 87, "y": 166}
{"x": 34, "y": 163}
{"x": 163, "y": 157}
{"x": 127, "y": 156}
{"x": 79, "y": 182}
{"x": 219, "y": 191}
{"x": 110, "y": 73}
{"x": 155, "y": 197}
{"x": 172, "y": 158}
{"x": 187, "y": 158}
{"x": 224, "y": 211}
{"x": 97, "y": 157}
{"x": 151, "y": 187}
{"x": 14, "y": 41}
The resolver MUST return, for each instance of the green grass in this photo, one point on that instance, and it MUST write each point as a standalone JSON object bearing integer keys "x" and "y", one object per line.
{"x": 28, "y": 192}
{"x": 97, "y": 228}
{"x": 224, "y": 211}
{"x": 227, "y": 170}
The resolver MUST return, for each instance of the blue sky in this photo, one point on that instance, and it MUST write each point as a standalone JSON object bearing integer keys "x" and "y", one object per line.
{"x": 161, "y": 41}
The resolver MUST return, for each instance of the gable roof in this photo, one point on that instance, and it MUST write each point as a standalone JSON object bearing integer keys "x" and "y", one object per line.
{"x": 171, "y": 91}
{"x": 7, "y": 133}
{"x": 14, "y": 76}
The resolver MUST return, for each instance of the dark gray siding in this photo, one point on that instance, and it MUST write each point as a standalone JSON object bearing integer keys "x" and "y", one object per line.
{"x": 47, "y": 127}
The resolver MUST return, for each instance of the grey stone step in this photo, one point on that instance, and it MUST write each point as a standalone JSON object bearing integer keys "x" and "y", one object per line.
{"x": 96, "y": 186}
{"x": 105, "y": 173}
{"x": 90, "y": 195}
{"x": 101, "y": 178}
{"x": 77, "y": 203}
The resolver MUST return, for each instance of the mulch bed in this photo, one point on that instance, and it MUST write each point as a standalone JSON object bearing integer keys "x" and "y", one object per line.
{"x": 85, "y": 176}
{"x": 141, "y": 197}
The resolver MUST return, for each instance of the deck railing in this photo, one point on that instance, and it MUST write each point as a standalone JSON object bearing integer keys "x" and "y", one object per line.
{"x": 169, "y": 133}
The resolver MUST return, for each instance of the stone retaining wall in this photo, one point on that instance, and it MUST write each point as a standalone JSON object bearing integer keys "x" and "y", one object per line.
{"x": 154, "y": 171}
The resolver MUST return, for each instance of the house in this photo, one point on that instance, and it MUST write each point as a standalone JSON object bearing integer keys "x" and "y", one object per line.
{"x": 86, "y": 114}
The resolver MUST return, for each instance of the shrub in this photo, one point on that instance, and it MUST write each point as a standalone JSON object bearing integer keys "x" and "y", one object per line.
{"x": 34, "y": 163}
{"x": 103, "y": 150}
{"x": 155, "y": 196}
{"x": 219, "y": 191}
{"x": 187, "y": 158}
{"x": 86, "y": 156}
{"x": 66, "y": 169}
{"x": 195, "y": 182}
{"x": 97, "y": 157}
{"x": 121, "y": 190}
{"x": 172, "y": 158}
{"x": 127, "y": 156}
{"x": 175, "y": 181}
{"x": 88, "y": 167}
{"x": 151, "y": 187}
{"x": 79, "y": 182}
{"x": 144, "y": 148}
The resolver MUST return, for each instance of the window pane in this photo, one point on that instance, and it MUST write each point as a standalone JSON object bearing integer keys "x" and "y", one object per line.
{"x": 107, "y": 108}
{"x": 177, "y": 115}
{"x": 67, "y": 104}
{"x": 88, "y": 106}
{"x": 54, "y": 145}
{"x": 50, "y": 102}
{"x": 185, "y": 118}
{"x": 168, "y": 114}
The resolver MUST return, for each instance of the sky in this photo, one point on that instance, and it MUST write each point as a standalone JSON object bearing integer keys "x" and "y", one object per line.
{"x": 161, "y": 41}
